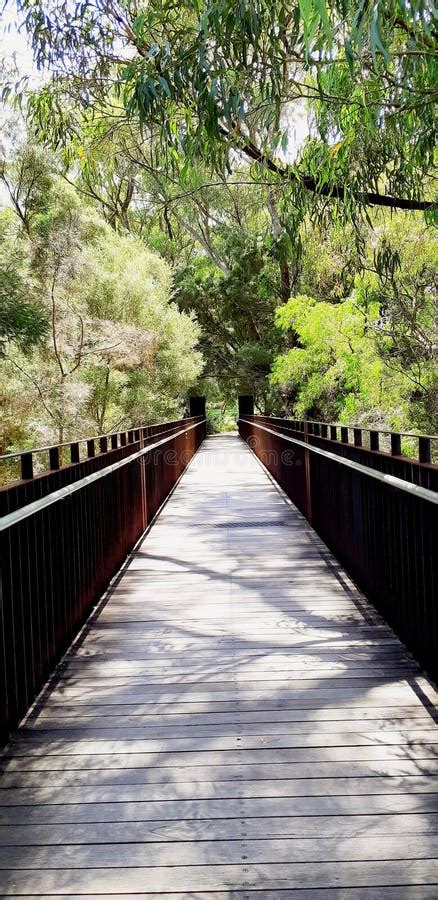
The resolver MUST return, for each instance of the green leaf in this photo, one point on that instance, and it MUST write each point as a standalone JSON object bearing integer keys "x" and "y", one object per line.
{"x": 321, "y": 8}
{"x": 165, "y": 86}
{"x": 376, "y": 39}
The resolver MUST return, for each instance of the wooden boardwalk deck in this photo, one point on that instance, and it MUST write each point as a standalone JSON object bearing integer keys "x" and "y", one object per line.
{"x": 235, "y": 722}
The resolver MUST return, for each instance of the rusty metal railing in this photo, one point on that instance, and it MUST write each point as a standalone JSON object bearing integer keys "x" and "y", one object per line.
{"x": 381, "y": 525}
{"x": 25, "y": 465}
{"x": 65, "y": 534}
{"x": 404, "y": 454}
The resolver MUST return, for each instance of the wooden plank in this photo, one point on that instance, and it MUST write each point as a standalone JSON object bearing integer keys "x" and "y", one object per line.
{"x": 339, "y": 674}
{"x": 317, "y": 693}
{"x": 58, "y": 762}
{"x": 141, "y": 728}
{"x": 32, "y": 746}
{"x": 108, "y": 717}
{"x": 233, "y": 808}
{"x": 129, "y": 630}
{"x": 219, "y": 852}
{"x": 68, "y": 776}
{"x": 197, "y": 652}
{"x": 277, "y": 705}
{"x": 300, "y": 668}
{"x": 291, "y": 787}
{"x": 161, "y": 880}
{"x": 108, "y": 649}
{"x": 345, "y": 826}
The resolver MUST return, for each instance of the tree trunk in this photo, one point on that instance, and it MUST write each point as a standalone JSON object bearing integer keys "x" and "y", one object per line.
{"x": 285, "y": 279}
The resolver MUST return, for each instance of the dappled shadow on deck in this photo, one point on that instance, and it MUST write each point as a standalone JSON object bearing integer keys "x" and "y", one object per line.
{"x": 237, "y": 719}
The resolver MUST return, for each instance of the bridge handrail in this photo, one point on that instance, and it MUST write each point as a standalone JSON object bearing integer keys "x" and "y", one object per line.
{"x": 25, "y": 511}
{"x": 392, "y": 480}
{"x": 352, "y": 427}
{"x": 110, "y": 441}
{"x": 13, "y": 454}
{"x": 59, "y": 557}
{"x": 427, "y": 443}
{"x": 376, "y": 513}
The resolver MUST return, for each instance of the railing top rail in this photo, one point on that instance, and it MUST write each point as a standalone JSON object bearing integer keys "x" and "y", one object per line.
{"x": 30, "y": 509}
{"x": 390, "y": 480}
{"x": 83, "y": 440}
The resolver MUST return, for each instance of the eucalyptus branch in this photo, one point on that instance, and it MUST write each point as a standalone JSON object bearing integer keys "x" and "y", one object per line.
{"x": 288, "y": 174}
{"x": 54, "y": 337}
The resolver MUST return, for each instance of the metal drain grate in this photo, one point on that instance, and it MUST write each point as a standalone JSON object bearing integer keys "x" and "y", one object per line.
{"x": 281, "y": 523}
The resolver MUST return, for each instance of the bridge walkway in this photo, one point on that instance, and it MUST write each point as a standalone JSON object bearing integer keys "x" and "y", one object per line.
{"x": 235, "y": 721}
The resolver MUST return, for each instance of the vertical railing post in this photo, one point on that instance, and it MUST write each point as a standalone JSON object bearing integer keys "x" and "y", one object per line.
{"x": 26, "y": 461}
{"x": 245, "y": 405}
{"x": 74, "y": 452}
{"x": 197, "y": 407}
{"x": 374, "y": 440}
{"x": 395, "y": 444}
{"x": 357, "y": 432}
{"x": 142, "y": 463}
{"x": 307, "y": 476}
{"x": 424, "y": 449}
{"x": 54, "y": 461}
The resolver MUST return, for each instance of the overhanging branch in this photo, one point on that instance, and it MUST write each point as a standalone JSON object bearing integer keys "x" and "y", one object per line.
{"x": 335, "y": 191}
{"x": 253, "y": 152}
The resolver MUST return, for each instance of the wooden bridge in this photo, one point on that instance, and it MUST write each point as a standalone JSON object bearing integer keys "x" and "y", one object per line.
{"x": 235, "y": 719}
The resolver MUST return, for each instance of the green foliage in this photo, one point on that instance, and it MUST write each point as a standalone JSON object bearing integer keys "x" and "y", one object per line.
{"x": 368, "y": 357}
{"x": 335, "y": 372}
{"x": 219, "y": 76}
{"x": 23, "y": 319}
{"x": 239, "y": 250}
{"x": 172, "y": 126}
{"x": 113, "y": 350}
{"x": 236, "y": 312}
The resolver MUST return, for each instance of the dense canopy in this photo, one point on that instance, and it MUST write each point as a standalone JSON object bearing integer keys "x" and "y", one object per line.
{"x": 252, "y": 181}
{"x": 215, "y": 78}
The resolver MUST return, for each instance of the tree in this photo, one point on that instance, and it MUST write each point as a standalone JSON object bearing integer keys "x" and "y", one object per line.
{"x": 235, "y": 256}
{"x": 110, "y": 325}
{"x": 214, "y": 78}
{"x": 118, "y": 171}
{"x": 368, "y": 341}
{"x": 23, "y": 318}
{"x": 173, "y": 122}
{"x": 232, "y": 255}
